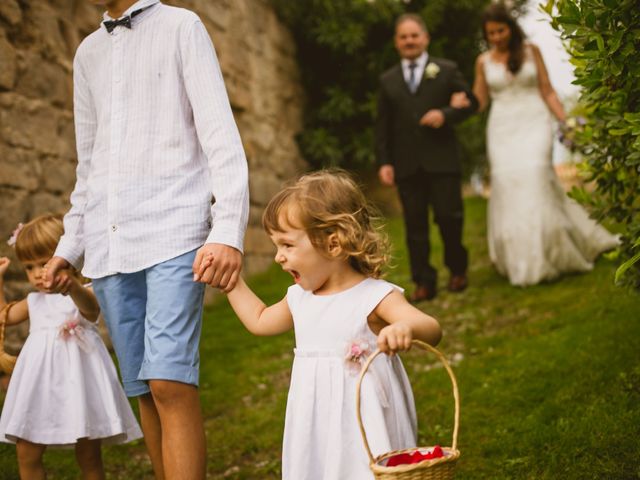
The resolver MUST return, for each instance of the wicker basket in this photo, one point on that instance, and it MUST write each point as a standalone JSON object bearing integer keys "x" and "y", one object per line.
{"x": 436, "y": 469}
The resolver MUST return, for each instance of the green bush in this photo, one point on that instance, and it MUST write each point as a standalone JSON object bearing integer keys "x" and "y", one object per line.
{"x": 603, "y": 39}
{"x": 344, "y": 46}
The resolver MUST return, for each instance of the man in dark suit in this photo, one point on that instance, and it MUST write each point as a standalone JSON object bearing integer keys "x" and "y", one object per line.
{"x": 417, "y": 150}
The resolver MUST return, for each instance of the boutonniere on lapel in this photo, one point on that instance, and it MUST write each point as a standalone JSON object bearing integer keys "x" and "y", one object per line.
{"x": 431, "y": 70}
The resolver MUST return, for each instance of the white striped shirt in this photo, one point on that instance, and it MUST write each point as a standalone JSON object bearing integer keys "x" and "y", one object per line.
{"x": 156, "y": 143}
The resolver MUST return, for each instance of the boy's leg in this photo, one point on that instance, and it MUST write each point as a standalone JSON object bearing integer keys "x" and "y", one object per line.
{"x": 183, "y": 438}
{"x": 123, "y": 301}
{"x": 89, "y": 457}
{"x": 30, "y": 463}
{"x": 150, "y": 423}
{"x": 171, "y": 363}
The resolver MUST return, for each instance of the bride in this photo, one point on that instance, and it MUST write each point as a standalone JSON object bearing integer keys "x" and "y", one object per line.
{"x": 535, "y": 231}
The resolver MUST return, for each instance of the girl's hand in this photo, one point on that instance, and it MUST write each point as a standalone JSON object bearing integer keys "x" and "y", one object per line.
{"x": 395, "y": 337}
{"x": 4, "y": 265}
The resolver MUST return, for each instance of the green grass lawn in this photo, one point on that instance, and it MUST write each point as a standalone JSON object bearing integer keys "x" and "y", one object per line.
{"x": 549, "y": 379}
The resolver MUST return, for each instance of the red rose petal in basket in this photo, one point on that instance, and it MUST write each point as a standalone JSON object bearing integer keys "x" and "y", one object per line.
{"x": 415, "y": 457}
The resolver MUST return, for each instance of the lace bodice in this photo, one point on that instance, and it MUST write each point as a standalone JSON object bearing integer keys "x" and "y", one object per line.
{"x": 504, "y": 85}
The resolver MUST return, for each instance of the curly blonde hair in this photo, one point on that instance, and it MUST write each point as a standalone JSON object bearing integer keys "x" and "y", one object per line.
{"x": 38, "y": 239}
{"x": 330, "y": 202}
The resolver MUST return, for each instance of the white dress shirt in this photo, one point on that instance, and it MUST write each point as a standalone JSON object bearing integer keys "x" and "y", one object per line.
{"x": 157, "y": 143}
{"x": 421, "y": 64}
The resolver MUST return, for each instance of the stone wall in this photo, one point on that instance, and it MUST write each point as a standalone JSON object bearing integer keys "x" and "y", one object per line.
{"x": 37, "y": 151}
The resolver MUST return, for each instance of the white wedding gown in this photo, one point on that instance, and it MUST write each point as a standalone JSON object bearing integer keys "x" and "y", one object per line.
{"x": 536, "y": 232}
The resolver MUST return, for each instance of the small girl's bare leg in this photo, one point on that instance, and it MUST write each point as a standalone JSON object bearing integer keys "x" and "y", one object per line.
{"x": 30, "y": 460}
{"x": 89, "y": 458}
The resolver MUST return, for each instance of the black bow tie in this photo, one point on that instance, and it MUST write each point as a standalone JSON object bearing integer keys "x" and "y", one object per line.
{"x": 124, "y": 21}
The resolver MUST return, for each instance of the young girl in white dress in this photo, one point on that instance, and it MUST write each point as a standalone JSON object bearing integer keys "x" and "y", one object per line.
{"x": 64, "y": 390}
{"x": 326, "y": 238}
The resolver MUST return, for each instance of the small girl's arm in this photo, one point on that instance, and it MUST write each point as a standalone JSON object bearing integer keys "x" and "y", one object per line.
{"x": 255, "y": 315}
{"x": 16, "y": 312}
{"x": 84, "y": 298}
{"x": 405, "y": 323}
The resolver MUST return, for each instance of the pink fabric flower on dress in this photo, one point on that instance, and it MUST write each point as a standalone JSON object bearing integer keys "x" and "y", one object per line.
{"x": 14, "y": 236}
{"x": 69, "y": 328}
{"x": 72, "y": 330}
{"x": 357, "y": 353}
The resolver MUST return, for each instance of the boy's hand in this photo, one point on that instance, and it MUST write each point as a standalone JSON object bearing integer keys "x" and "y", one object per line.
{"x": 4, "y": 265}
{"x": 54, "y": 265}
{"x": 64, "y": 282}
{"x": 217, "y": 265}
{"x": 395, "y": 337}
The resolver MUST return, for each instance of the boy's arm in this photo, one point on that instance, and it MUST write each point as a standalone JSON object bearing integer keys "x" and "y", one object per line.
{"x": 218, "y": 136}
{"x": 255, "y": 315}
{"x": 71, "y": 246}
{"x": 406, "y": 323}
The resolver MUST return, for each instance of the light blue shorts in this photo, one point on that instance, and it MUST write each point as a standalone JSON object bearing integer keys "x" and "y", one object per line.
{"x": 154, "y": 318}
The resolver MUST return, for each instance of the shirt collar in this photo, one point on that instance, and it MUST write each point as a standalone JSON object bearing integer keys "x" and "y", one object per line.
{"x": 421, "y": 61}
{"x": 136, "y": 6}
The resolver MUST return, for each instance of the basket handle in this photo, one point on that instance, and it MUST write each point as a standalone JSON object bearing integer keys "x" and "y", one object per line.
{"x": 456, "y": 395}
{"x": 4, "y": 315}
{"x": 6, "y": 361}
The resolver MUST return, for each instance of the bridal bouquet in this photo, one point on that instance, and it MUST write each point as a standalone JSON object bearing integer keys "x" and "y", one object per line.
{"x": 569, "y": 130}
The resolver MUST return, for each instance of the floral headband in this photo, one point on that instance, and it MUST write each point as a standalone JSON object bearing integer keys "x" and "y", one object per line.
{"x": 14, "y": 236}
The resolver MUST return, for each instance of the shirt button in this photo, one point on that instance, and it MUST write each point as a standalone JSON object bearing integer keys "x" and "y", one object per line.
{"x": 114, "y": 228}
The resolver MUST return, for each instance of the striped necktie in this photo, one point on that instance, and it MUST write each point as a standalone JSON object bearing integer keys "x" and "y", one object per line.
{"x": 413, "y": 84}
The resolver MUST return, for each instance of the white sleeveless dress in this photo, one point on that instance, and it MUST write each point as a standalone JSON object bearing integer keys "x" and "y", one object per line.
{"x": 64, "y": 389}
{"x": 536, "y": 232}
{"x": 322, "y": 440}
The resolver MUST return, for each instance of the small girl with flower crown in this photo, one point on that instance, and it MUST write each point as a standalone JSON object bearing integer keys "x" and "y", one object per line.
{"x": 64, "y": 390}
{"x": 326, "y": 238}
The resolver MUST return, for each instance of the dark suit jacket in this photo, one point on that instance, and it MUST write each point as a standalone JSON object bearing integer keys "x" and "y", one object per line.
{"x": 400, "y": 140}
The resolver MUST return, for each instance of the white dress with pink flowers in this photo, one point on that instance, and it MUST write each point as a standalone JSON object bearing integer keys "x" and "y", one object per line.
{"x": 322, "y": 439}
{"x": 64, "y": 385}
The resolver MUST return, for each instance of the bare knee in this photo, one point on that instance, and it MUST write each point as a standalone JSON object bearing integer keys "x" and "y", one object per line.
{"x": 146, "y": 401}
{"x": 167, "y": 393}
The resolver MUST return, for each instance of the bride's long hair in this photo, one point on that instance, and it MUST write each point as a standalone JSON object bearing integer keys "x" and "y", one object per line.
{"x": 498, "y": 13}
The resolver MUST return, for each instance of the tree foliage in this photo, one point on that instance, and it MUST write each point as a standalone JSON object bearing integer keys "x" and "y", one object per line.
{"x": 603, "y": 39}
{"x": 344, "y": 46}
